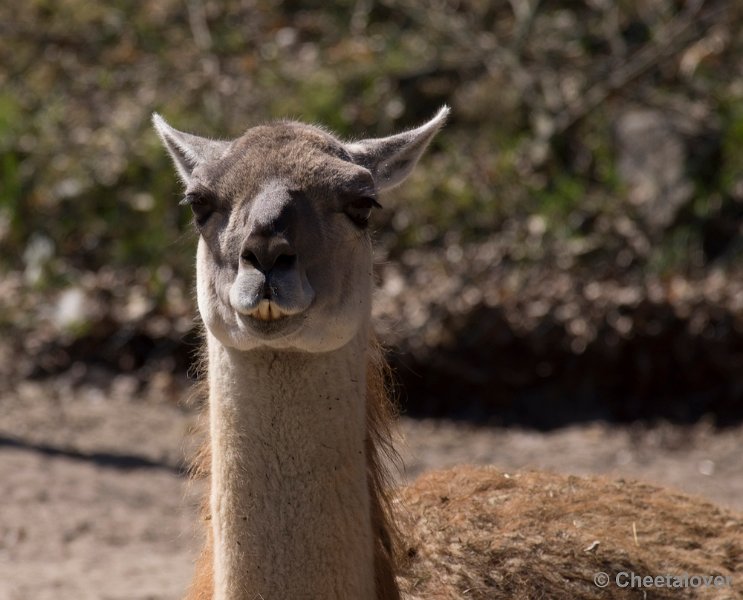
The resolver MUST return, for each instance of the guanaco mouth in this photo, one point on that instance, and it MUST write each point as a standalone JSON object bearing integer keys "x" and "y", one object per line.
{"x": 267, "y": 311}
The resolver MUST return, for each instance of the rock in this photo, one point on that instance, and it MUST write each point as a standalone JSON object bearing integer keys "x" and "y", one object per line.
{"x": 651, "y": 161}
{"x": 72, "y": 309}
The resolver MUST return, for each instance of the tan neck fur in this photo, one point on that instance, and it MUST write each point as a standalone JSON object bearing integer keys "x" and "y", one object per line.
{"x": 290, "y": 502}
{"x": 298, "y": 433}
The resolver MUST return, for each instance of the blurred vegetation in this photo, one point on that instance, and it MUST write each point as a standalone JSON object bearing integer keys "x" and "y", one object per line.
{"x": 548, "y": 103}
{"x": 536, "y": 89}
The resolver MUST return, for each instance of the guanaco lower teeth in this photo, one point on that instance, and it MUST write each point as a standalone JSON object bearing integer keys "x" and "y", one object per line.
{"x": 267, "y": 311}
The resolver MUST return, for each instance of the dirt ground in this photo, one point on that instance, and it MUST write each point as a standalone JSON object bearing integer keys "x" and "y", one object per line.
{"x": 95, "y": 502}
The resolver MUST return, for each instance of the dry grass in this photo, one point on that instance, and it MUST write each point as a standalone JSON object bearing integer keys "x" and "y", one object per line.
{"x": 477, "y": 533}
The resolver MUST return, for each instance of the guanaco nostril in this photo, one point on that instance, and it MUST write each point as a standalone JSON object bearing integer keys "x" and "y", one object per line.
{"x": 285, "y": 261}
{"x": 250, "y": 258}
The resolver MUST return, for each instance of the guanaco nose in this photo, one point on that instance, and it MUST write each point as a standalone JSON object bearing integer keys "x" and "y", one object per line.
{"x": 267, "y": 252}
{"x": 269, "y": 243}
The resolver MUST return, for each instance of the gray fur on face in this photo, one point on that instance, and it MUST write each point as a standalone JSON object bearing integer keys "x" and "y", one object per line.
{"x": 284, "y": 259}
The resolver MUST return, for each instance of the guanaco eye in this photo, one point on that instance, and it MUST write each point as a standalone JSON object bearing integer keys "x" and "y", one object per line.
{"x": 359, "y": 210}
{"x": 202, "y": 207}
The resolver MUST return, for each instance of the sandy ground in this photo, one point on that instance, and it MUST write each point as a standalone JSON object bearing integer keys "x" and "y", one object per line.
{"x": 95, "y": 503}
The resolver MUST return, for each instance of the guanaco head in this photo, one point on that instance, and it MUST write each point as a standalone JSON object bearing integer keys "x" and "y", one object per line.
{"x": 284, "y": 258}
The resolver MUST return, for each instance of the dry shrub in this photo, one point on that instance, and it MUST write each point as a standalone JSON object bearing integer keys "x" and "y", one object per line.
{"x": 479, "y": 533}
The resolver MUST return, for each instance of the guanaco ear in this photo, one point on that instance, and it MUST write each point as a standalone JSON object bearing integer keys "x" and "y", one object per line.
{"x": 391, "y": 159}
{"x": 187, "y": 151}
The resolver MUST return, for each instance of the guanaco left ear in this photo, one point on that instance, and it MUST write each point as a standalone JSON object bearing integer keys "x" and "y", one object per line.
{"x": 187, "y": 150}
{"x": 392, "y": 159}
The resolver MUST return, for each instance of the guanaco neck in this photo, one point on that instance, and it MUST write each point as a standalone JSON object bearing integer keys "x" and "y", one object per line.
{"x": 290, "y": 502}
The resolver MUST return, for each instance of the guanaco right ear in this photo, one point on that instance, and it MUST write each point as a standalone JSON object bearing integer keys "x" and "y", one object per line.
{"x": 187, "y": 150}
{"x": 393, "y": 158}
